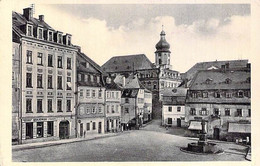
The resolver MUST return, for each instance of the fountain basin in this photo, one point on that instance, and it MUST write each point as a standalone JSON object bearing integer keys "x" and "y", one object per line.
{"x": 207, "y": 147}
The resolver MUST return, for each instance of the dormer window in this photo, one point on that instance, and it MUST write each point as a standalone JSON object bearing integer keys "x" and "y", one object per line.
{"x": 50, "y": 36}
{"x": 29, "y": 30}
{"x": 69, "y": 40}
{"x": 208, "y": 81}
{"x": 40, "y": 33}
{"x": 240, "y": 94}
{"x": 59, "y": 38}
{"x": 228, "y": 81}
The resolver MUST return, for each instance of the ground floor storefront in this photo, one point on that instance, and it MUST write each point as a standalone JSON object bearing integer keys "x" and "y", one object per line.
{"x": 113, "y": 124}
{"x": 38, "y": 129}
{"x": 92, "y": 125}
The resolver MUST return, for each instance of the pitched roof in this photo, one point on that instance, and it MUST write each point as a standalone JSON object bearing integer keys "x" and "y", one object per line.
{"x": 216, "y": 79}
{"x": 127, "y": 63}
{"x": 19, "y": 20}
{"x": 133, "y": 82}
{"x": 233, "y": 64}
{"x": 90, "y": 61}
{"x": 174, "y": 92}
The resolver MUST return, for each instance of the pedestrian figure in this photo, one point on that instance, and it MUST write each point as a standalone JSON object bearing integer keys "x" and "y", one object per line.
{"x": 84, "y": 133}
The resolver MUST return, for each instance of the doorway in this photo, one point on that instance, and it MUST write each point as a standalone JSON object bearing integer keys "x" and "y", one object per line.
{"x": 178, "y": 122}
{"x": 99, "y": 127}
{"x": 216, "y": 133}
{"x": 81, "y": 129}
{"x": 64, "y": 129}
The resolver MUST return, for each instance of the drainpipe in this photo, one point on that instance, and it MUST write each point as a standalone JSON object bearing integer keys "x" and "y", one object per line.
{"x": 20, "y": 97}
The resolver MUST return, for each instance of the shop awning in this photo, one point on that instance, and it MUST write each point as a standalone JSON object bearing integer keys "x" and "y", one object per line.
{"x": 196, "y": 125}
{"x": 239, "y": 128}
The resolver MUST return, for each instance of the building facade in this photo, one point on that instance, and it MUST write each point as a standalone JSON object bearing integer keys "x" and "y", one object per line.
{"x": 148, "y": 102}
{"x": 173, "y": 113}
{"x": 154, "y": 76}
{"x": 222, "y": 97}
{"x": 91, "y": 97}
{"x": 47, "y": 71}
{"x": 112, "y": 106}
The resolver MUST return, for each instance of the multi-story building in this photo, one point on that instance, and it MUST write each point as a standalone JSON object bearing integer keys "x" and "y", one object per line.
{"x": 222, "y": 98}
{"x": 112, "y": 106}
{"x": 155, "y": 77}
{"x": 132, "y": 101}
{"x": 46, "y": 79}
{"x": 173, "y": 113}
{"x": 91, "y": 97}
{"x": 148, "y": 102}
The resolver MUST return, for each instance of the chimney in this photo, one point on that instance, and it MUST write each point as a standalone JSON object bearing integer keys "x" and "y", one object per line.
{"x": 41, "y": 17}
{"x": 28, "y": 13}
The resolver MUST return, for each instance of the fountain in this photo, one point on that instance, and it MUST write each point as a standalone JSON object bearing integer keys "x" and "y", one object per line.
{"x": 202, "y": 146}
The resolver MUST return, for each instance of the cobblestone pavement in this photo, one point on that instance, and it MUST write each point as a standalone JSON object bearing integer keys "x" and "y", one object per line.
{"x": 151, "y": 143}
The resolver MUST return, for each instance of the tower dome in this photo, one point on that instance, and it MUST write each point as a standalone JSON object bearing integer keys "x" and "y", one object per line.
{"x": 162, "y": 45}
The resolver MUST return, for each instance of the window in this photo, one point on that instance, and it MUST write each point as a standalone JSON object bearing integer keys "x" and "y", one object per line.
{"x": 29, "y": 130}
{"x": 100, "y": 109}
{"x": 40, "y": 33}
{"x": 178, "y": 109}
{"x": 60, "y": 38}
{"x": 117, "y": 107}
{"x": 249, "y": 112}
{"x": 126, "y": 110}
{"x": 39, "y": 81}
{"x": 50, "y": 105}
{"x": 68, "y": 83}
{"x": 59, "y": 106}
{"x": 107, "y": 108}
{"x": 68, "y": 63}
{"x": 49, "y": 81}
{"x": 100, "y": 93}
{"x": 50, "y": 60}
{"x": 205, "y": 94}
{"x": 29, "y": 30}
{"x": 239, "y": 112}
{"x": 88, "y": 126}
{"x": 93, "y": 93}
{"x": 192, "y": 111}
{"x": 39, "y": 129}
{"x": 81, "y": 92}
{"x": 29, "y": 57}
{"x": 88, "y": 93}
{"x": 59, "y": 82}
{"x": 59, "y": 62}
{"x": 39, "y": 59}
{"x": 88, "y": 110}
{"x": 94, "y": 126}
{"x": 39, "y": 105}
{"x": 228, "y": 95}
{"x": 126, "y": 100}
{"x": 50, "y": 36}
{"x": 240, "y": 94}
{"x": 227, "y": 112}
{"x": 117, "y": 95}
{"x": 93, "y": 110}
{"x": 68, "y": 105}
{"x": 216, "y": 111}
{"x": 29, "y": 80}
{"x": 49, "y": 128}
{"x": 170, "y": 109}
{"x": 194, "y": 95}
{"x": 69, "y": 40}
{"x": 28, "y": 105}
{"x": 154, "y": 86}
{"x": 217, "y": 94}
{"x": 203, "y": 111}
{"x": 113, "y": 95}
{"x": 79, "y": 77}
{"x": 113, "y": 109}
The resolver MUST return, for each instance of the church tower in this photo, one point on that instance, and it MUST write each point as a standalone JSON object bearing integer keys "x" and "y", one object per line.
{"x": 162, "y": 53}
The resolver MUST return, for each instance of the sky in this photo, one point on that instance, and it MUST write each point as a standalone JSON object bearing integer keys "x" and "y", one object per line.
{"x": 196, "y": 33}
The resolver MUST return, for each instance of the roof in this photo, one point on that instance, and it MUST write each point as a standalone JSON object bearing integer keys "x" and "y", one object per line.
{"x": 19, "y": 20}
{"x": 174, "y": 92}
{"x": 216, "y": 79}
{"x": 130, "y": 93}
{"x": 127, "y": 63}
{"x": 162, "y": 45}
{"x": 90, "y": 61}
{"x": 233, "y": 64}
